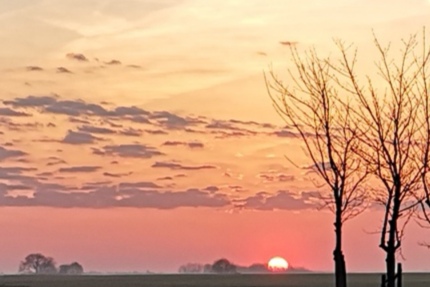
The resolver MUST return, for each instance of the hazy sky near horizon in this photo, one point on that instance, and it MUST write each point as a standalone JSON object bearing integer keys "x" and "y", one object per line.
{"x": 138, "y": 135}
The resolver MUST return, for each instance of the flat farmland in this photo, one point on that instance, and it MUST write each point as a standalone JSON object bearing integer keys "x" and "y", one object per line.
{"x": 237, "y": 280}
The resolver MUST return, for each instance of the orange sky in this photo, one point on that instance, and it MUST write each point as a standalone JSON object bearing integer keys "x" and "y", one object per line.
{"x": 137, "y": 135}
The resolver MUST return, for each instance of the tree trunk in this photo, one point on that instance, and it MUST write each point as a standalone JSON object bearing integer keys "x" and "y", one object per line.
{"x": 392, "y": 243}
{"x": 390, "y": 259}
{"x": 340, "y": 269}
{"x": 391, "y": 268}
{"x": 339, "y": 259}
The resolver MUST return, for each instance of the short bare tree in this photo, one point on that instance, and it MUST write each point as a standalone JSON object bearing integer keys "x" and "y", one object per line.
{"x": 310, "y": 105}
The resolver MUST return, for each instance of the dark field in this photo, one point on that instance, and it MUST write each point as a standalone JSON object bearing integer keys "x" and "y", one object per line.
{"x": 272, "y": 280}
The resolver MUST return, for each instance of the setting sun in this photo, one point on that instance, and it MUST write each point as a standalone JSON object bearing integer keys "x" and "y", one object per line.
{"x": 277, "y": 264}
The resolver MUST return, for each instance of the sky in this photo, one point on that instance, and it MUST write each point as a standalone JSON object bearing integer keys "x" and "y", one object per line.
{"x": 138, "y": 135}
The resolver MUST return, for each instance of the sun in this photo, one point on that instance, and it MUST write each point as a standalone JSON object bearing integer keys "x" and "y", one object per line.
{"x": 277, "y": 264}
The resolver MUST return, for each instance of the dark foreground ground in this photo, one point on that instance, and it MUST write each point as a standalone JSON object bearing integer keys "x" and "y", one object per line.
{"x": 270, "y": 280}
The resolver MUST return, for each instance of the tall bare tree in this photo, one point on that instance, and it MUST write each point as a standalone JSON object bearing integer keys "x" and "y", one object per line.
{"x": 394, "y": 132}
{"x": 425, "y": 91}
{"x": 310, "y": 105}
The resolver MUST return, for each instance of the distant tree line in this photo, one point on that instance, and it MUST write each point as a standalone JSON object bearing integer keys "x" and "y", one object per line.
{"x": 224, "y": 266}
{"x": 37, "y": 263}
{"x": 219, "y": 266}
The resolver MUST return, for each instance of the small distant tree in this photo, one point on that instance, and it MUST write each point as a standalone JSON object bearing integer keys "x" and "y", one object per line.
{"x": 223, "y": 266}
{"x": 207, "y": 268}
{"x": 258, "y": 268}
{"x": 38, "y": 264}
{"x": 191, "y": 268}
{"x": 71, "y": 269}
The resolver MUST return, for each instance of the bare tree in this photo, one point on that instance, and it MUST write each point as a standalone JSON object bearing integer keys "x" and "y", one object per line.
{"x": 310, "y": 104}
{"x": 425, "y": 91}
{"x": 394, "y": 134}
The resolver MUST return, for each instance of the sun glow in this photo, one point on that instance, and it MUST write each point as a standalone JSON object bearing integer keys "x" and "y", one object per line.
{"x": 277, "y": 264}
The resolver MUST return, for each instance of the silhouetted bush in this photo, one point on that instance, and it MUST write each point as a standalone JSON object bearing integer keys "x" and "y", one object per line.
{"x": 71, "y": 269}
{"x": 223, "y": 266}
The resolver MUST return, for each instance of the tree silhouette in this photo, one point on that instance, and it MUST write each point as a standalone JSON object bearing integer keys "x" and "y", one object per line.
{"x": 223, "y": 266}
{"x": 258, "y": 268}
{"x": 311, "y": 106}
{"x": 71, "y": 269}
{"x": 38, "y": 264}
{"x": 395, "y": 135}
{"x": 191, "y": 268}
{"x": 354, "y": 131}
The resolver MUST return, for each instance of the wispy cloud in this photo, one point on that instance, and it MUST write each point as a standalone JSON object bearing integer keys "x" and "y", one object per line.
{"x": 79, "y": 169}
{"x": 10, "y": 153}
{"x": 274, "y": 176}
{"x": 95, "y": 130}
{"x": 7, "y": 112}
{"x": 34, "y": 68}
{"x": 179, "y": 166}
{"x": 117, "y": 175}
{"x": 77, "y": 57}
{"x": 282, "y": 200}
{"x": 78, "y": 138}
{"x": 129, "y": 150}
{"x": 117, "y": 196}
{"x": 193, "y": 144}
